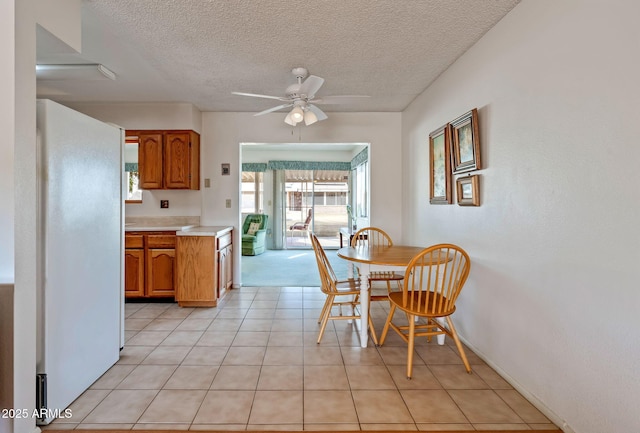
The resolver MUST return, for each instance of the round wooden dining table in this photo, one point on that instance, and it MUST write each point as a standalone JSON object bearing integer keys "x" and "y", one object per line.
{"x": 371, "y": 259}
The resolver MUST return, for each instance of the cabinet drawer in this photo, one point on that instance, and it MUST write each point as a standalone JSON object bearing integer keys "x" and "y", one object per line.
{"x": 161, "y": 241}
{"x": 223, "y": 241}
{"x": 134, "y": 241}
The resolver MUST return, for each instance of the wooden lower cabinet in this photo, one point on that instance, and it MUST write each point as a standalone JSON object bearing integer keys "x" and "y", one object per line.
{"x": 134, "y": 273}
{"x": 161, "y": 265}
{"x": 204, "y": 269}
{"x": 225, "y": 264}
{"x": 150, "y": 264}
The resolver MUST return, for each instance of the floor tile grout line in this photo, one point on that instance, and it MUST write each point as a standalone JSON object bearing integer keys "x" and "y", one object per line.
{"x": 340, "y": 345}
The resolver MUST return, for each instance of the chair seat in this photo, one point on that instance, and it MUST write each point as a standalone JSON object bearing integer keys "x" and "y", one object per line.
{"x": 250, "y": 238}
{"x": 347, "y": 287}
{"x": 418, "y": 306}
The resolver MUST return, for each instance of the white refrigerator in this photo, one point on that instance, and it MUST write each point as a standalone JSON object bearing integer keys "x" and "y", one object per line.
{"x": 80, "y": 294}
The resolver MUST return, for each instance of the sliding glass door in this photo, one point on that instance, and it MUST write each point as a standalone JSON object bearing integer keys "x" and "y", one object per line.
{"x": 315, "y": 200}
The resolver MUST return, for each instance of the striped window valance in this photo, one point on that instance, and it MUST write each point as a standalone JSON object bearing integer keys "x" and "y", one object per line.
{"x": 130, "y": 166}
{"x": 360, "y": 158}
{"x": 254, "y": 166}
{"x": 309, "y": 165}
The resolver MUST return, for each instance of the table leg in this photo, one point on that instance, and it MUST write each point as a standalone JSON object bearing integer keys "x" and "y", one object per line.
{"x": 364, "y": 305}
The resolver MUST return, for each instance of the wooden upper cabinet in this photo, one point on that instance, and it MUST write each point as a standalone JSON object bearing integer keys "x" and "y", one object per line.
{"x": 150, "y": 160}
{"x": 168, "y": 159}
{"x": 181, "y": 155}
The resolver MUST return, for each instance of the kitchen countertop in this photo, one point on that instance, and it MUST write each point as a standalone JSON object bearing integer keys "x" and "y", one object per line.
{"x": 133, "y": 227}
{"x": 204, "y": 231}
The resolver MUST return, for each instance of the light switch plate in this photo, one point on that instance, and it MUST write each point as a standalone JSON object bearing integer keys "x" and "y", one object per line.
{"x": 207, "y": 183}
{"x": 228, "y": 203}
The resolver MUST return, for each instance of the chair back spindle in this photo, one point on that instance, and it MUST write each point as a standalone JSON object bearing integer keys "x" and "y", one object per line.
{"x": 434, "y": 280}
{"x": 327, "y": 275}
{"x": 372, "y": 237}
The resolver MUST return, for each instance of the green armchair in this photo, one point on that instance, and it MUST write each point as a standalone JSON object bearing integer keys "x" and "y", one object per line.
{"x": 254, "y": 234}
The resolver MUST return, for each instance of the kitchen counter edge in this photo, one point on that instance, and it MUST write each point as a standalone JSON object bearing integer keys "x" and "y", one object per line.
{"x": 151, "y": 228}
{"x": 216, "y": 231}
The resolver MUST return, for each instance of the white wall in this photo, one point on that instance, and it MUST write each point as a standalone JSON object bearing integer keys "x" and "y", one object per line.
{"x": 7, "y": 124}
{"x": 222, "y": 134}
{"x": 62, "y": 18}
{"x": 143, "y": 115}
{"x": 18, "y": 182}
{"x": 152, "y": 116}
{"x": 24, "y": 296}
{"x": 552, "y": 299}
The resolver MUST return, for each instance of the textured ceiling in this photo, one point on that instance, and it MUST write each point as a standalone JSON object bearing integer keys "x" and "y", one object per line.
{"x": 199, "y": 51}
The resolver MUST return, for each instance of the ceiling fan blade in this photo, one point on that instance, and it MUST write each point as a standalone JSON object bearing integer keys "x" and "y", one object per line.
{"x": 318, "y": 112}
{"x": 311, "y": 85}
{"x": 272, "y": 109}
{"x": 342, "y": 99}
{"x": 255, "y": 95}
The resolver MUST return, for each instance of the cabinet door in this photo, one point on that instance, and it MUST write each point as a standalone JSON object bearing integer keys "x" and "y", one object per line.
{"x": 229, "y": 267}
{"x": 134, "y": 273}
{"x": 177, "y": 160}
{"x": 196, "y": 272}
{"x": 150, "y": 158}
{"x": 161, "y": 272}
{"x": 225, "y": 270}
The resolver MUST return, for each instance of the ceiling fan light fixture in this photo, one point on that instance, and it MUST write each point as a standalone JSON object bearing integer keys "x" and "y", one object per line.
{"x": 302, "y": 97}
{"x": 310, "y": 118}
{"x": 289, "y": 121}
{"x": 297, "y": 115}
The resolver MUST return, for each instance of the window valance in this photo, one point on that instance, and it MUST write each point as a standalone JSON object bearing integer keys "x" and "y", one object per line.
{"x": 360, "y": 158}
{"x": 254, "y": 166}
{"x": 309, "y": 165}
{"x": 130, "y": 166}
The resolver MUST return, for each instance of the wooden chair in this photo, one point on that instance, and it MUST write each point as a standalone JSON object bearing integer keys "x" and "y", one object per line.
{"x": 339, "y": 293}
{"x": 373, "y": 236}
{"x": 434, "y": 279}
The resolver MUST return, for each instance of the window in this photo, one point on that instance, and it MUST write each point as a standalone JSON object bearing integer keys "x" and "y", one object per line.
{"x": 361, "y": 196}
{"x": 134, "y": 193}
{"x": 252, "y": 192}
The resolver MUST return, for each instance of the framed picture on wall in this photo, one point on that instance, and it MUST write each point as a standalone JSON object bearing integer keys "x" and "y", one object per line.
{"x": 440, "y": 166}
{"x": 468, "y": 190}
{"x": 466, "y": 142}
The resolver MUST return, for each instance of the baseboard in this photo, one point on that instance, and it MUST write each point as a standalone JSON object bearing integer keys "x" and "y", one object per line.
{"x": 535, "y": 401}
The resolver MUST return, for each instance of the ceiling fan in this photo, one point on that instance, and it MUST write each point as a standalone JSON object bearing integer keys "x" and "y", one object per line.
{"x": 302, "y": 97}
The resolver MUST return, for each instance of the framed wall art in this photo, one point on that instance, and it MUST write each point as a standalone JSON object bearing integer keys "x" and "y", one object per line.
{"x": 468, "y": 190}
{"x": 466, "y": 143}
{"x": 440, "y": 166}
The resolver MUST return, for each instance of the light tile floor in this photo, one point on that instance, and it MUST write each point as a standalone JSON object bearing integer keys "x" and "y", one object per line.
{"x": 253, "y": 363}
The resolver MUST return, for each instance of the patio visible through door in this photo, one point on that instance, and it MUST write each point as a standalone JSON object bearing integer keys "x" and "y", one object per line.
{"x": 315, "y": 200}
